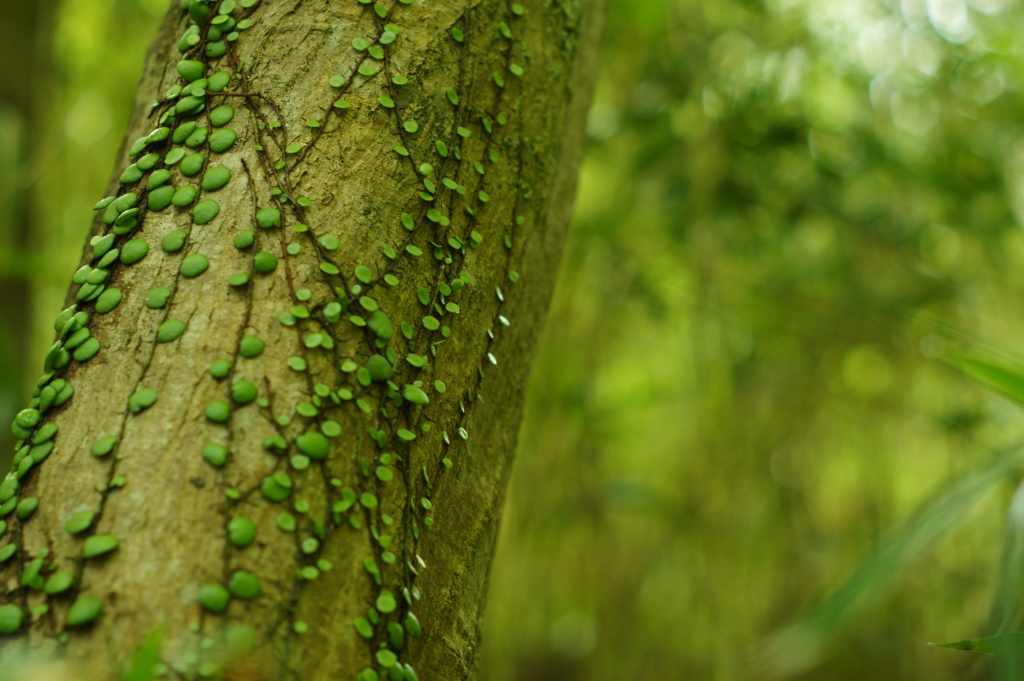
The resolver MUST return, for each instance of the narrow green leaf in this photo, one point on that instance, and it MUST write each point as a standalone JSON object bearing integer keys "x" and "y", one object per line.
{"x": 799, "y": 646}
{"x": 1008, "y": 644}
{"x": 146, "y": 658}
{"x": 1000, "y": 374}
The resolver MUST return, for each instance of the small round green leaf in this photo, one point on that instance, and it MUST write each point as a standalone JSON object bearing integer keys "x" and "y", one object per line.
{"x": 205, "y": 211}
{"x": 215, "y": 178}
{"x": 133, "y": 251}
{"x": 194, "y": 265}
{"x": 98, "y": 545}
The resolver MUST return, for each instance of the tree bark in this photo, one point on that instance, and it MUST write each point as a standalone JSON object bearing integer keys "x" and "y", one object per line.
{"x": 357, "y": 401}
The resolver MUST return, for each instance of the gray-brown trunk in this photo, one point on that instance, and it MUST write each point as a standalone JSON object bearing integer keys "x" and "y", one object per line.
{"x": 370, "y": 499}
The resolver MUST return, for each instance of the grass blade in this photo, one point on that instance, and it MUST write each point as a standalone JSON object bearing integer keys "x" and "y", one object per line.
{"x": 800, "y": 645}
{"x": 1002, "y": 375}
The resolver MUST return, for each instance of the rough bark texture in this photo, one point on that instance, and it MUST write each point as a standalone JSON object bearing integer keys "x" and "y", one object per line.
{"x": 400, "y": 515}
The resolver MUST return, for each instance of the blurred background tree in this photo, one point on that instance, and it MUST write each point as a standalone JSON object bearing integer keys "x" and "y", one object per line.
{"x": 737, "y": 403}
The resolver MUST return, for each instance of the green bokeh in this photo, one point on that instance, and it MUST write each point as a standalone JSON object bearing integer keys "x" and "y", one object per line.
{"x": 784, "y": 208}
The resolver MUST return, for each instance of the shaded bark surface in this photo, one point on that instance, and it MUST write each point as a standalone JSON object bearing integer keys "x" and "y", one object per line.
{"x": 420, "y": 230}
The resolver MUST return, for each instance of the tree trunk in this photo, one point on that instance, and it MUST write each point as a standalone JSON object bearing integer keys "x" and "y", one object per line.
{"x": 313, "y": 376}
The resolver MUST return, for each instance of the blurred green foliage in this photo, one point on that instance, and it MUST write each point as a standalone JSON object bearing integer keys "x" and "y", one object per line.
{"x": 741, "y": 459}
{"x": 59, "y": 134}
{"x": 732, "y": 408}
